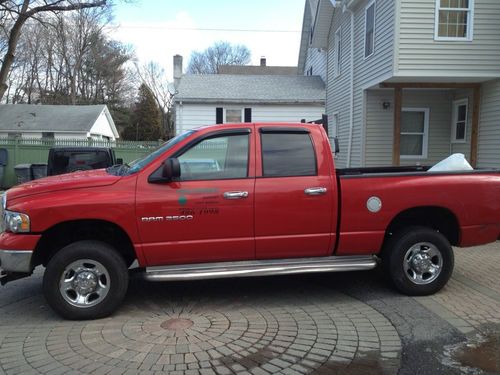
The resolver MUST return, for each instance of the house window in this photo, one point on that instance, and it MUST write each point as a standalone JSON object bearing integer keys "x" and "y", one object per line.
{"x": 338, "y": 52}
{"x": 233, "y": 115}
{"x": 459, "y": 121}
{"x": 454, "y": 19}
{"x": 414, "y": 133}
{"x": 370, "y": 29}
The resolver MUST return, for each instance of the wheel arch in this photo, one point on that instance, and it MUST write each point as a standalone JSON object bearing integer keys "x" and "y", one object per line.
{"x": 64, "y": 233}
{"x": 437, "y": 218}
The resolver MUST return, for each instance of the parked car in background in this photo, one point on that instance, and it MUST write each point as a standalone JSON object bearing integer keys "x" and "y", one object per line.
{"x": 70, "y": 159}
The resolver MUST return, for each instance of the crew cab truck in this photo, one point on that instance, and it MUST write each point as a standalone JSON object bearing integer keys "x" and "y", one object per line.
{"x": 275, "y": 204}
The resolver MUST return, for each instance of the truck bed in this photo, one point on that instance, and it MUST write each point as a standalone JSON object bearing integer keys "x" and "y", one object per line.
{"x": 420, "y": 170}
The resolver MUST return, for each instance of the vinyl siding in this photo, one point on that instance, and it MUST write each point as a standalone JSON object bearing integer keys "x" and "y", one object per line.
{"x": 489, "y": 126}
{"x": 420, "y": 55}
{"x": 380, "y": 124}
{"x": 316, "y": 58}
{"x": 367, "y": 72}
{"x": 189, "y": 116}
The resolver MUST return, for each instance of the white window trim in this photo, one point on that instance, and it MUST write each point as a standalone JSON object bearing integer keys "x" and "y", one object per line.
{"x": 454, "y": 115}
{"x": 425, "y": 141}
{"x": 470, "y": 23}
{"x": 233, "y": 108}
{"x": 372, "y": 2}
{"x": 338, "y": 57}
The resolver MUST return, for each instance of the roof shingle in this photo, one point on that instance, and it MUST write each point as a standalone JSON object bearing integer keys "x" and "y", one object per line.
{"x": 251, "y": 88}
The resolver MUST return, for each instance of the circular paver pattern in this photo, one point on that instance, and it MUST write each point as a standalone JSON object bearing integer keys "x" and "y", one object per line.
{"x": 297, "y": 331}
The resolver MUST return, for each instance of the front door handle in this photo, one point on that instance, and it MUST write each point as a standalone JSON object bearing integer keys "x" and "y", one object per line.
{"x": 235, "y": 194}
{"x": 315, "y": 191}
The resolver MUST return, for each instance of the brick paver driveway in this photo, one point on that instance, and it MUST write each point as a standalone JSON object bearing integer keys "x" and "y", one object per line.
{"x": 329, "y": 323}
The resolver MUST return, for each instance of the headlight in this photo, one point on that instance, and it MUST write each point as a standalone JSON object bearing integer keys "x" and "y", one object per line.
{"x": 16, "y": 222}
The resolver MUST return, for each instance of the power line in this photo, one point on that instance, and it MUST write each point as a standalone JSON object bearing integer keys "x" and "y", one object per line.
{"x": 205, "y": 29}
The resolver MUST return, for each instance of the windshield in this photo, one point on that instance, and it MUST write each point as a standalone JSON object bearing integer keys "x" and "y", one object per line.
{"x": 138, "y": 164}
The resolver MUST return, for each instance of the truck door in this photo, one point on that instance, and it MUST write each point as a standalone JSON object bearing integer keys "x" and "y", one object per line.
{"x": 293, "y": 194}
{"x": 208, "y": 214}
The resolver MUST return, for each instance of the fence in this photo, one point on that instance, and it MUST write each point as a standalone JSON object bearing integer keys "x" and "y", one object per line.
{"x": 36, "y": 150}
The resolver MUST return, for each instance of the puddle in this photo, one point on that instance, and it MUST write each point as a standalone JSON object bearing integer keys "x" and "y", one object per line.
{"x": 479, "y": 354}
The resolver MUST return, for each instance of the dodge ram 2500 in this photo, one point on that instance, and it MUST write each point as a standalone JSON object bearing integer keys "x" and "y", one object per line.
{"x": 274, "y": 204}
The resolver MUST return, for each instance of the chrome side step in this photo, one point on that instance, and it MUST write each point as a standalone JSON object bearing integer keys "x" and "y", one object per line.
{"x": 259, "y": 268}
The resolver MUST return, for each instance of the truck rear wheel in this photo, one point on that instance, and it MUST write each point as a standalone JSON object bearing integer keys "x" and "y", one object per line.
{"x": 85, "y": 280}
{"x": 419, "y": 261}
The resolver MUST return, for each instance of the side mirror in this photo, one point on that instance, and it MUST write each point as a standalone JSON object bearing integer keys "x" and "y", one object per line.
{"x": 171, "y": 169}
{"x": 336, "y": 147}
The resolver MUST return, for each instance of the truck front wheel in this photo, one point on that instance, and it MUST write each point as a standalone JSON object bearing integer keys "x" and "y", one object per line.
{"x": 419, "y": 261}
{"x": 85, "y": 280}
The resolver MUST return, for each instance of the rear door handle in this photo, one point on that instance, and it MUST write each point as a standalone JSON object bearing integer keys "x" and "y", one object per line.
{"x": 235, "y": 194}
{"x": 315, "y": 191}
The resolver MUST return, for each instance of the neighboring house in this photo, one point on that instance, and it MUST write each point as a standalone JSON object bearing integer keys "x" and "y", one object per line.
{"x": 408, "y": 81}
{"x": 263, "y": 68}
{"x": 228, "y": 98}
{"x": 57, "y": 121}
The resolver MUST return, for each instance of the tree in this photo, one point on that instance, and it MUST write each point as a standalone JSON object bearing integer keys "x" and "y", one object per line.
{"x": 146, "y": 123}
{"x": 17, "y": 12}
{"x": 221, "y": 53}
{"x": 155, "y": 77}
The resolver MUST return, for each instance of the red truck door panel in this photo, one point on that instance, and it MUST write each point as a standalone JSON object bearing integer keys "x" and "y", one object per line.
{"x": 208, "y": 214}
{"x": 293, "y": 194}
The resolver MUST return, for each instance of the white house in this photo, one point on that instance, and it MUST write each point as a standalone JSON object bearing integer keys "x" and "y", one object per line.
{"x": 407, "y": 81}
{"x": 229, "y": 98}
{"x": 57, "y": 121}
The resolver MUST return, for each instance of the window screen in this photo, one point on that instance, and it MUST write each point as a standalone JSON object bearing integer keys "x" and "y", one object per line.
{"x": 287, "y": 154}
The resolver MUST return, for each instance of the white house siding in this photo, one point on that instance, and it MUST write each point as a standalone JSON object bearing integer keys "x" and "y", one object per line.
{"x": 189, "y": 116}
{"x": 57, "y": 135}
{"x": 489, "y": 126}
{"x": 420, "y": 55}
{"x": 102, "y": 126}
{"x": 380, "y": 125}
{"x": 367, "y": 72}
{"x": 286, "y": 113}
{"x": 316, "y": 58}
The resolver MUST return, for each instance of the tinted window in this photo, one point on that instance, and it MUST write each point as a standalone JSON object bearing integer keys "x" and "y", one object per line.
{"x": 216, "y": 158}
{"x": 288, "y": 154}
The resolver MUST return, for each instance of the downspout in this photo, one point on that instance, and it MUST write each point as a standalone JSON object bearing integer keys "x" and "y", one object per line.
{"x": 351, "y": 94}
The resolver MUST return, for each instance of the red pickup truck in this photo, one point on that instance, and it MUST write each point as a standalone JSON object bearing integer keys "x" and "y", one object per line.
{"x": 240, "y": 200}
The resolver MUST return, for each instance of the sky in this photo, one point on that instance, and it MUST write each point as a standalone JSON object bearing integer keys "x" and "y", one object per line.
{"x": 159, "y": 29}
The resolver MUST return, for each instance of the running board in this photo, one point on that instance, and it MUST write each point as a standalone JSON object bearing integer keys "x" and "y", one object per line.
{"x": 259, "y": 268}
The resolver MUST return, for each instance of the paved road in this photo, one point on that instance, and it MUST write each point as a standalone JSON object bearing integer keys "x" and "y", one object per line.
{"x": 350, "y": 323}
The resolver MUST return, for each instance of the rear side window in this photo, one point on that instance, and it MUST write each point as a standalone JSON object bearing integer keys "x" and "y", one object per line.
{"x": 287, "y": 154}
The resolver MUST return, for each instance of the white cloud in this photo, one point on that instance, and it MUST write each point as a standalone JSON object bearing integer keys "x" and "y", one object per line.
{"x": 161, "y": 41}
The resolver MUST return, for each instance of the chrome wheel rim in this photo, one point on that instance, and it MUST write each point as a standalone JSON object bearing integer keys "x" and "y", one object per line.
{"x": 423, "y": 263}
{"x": 84, "y": 283}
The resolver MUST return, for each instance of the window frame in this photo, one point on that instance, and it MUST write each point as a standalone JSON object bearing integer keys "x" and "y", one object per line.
{"x": 454, "y": 119}
{"x": 470, "y": 23}
{"x": 242, "y": 114}
{"x": 371, "y": 3}
{"x": 338, "y": 53}
{"x": 425, "y": 134}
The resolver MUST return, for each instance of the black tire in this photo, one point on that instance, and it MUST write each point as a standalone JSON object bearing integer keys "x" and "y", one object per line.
{"x": 110, "y": 277}
{"x": 406, "y": 275}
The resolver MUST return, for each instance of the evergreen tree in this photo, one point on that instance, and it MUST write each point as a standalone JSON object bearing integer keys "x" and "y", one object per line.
{"x": 145, "y": 123}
